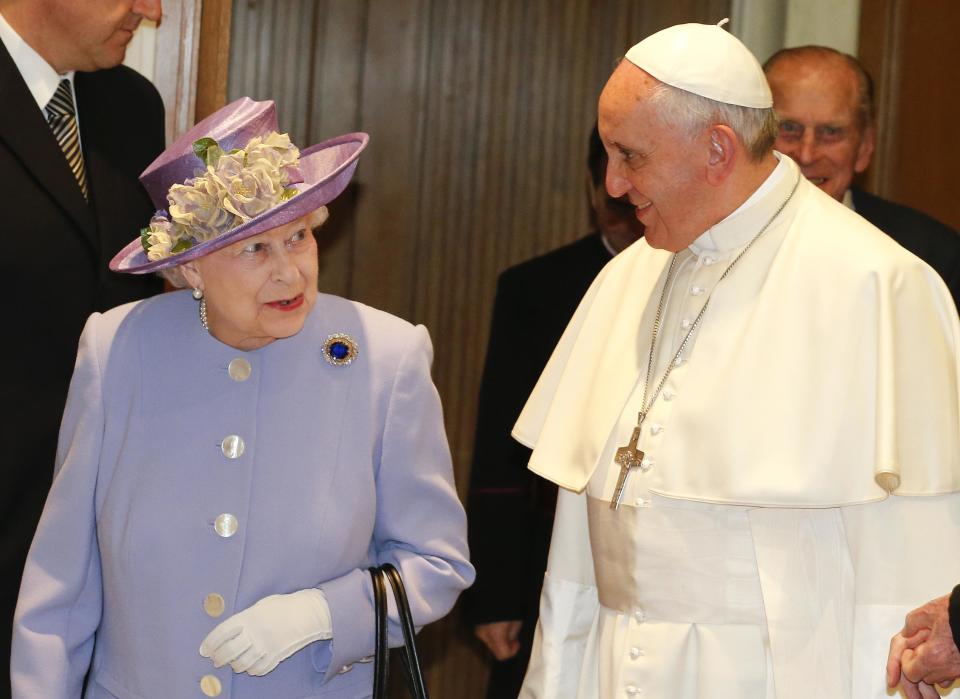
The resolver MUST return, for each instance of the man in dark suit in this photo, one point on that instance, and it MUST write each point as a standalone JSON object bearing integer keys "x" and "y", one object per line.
{"x": 63, "y": 217}
{"x": 824, "y": 100}
{"x": 510, "y": 510}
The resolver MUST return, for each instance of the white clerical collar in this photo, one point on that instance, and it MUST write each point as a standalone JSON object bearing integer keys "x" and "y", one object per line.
{"x": 737, "y": 229}
{"x": 41, "y": 78}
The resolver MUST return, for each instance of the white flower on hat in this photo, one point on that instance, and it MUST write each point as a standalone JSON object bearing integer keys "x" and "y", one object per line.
{"x": 156, "y": 238}
{"x": 233, "y": 188}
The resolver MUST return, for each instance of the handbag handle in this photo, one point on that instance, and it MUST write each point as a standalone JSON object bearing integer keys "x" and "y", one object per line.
{"x": 381, "y": 653}
{"x": 418, "y": 688}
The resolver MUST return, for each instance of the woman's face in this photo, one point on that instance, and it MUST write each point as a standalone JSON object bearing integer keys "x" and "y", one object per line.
{"x": 262, "y": 288}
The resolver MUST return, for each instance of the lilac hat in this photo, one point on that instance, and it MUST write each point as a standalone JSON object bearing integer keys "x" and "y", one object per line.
{"x": 290, "y": 189}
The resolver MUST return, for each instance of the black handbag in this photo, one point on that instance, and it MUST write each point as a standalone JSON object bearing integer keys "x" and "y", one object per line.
{"x": 411, "y": 661}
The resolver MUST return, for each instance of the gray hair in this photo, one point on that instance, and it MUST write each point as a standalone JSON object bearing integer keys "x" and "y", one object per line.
{"x": 865, "y": 93}
{"x": 756, "y": 128}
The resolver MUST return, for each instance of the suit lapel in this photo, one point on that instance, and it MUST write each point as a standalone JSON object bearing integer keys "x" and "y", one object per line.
{"x": 25, "y": 132}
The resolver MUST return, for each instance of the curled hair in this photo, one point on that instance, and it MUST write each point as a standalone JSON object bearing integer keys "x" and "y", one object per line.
{"x": 756, "y": 128}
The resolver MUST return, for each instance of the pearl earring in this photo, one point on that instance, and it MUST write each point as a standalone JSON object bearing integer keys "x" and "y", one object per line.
{"x": 197, "y": 293}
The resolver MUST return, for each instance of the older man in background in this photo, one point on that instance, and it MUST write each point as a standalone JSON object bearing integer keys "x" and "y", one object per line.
{"x": 824, "y": 100}
{"x": 741, "y": 414}
{"x": 76, "y": 129}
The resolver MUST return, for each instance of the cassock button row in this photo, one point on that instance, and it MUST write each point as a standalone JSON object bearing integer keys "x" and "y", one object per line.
{"x": 239, "y": 369}
{"x": 646, "y": 465}
{"x": 636, "y": 652}
{"x": 697, "y": 290}
{"x": 213, "y": 605}
{"x": 232, "y": 446}
{"x": 226, "y": 525}
{"x": 686, "y": 323}
{"x": 643, "y": 502}
{"x": 707, "y": 261}
{"x": 210, "y": 686}
{"x": 668, "y": 394}
{"x": 656, "y": 428}
{"x": 639, "y": 615}
{"x": 633, "y": 691}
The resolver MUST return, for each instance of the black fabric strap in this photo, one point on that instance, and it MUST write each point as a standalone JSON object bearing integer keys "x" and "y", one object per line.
{"x": 955, "y": 614}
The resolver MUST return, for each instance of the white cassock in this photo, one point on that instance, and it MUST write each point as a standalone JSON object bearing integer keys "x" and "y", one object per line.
{"x": 799, "y": 489}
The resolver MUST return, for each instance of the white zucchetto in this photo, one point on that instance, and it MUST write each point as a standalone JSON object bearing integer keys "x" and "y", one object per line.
{"x": 706, "y": 60}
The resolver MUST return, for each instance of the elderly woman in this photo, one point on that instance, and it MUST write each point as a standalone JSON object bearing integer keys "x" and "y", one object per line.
{"x": 232, "y": 461}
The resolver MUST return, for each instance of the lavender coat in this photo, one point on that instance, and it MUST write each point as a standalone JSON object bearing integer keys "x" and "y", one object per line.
{"x": 343, "y": 467}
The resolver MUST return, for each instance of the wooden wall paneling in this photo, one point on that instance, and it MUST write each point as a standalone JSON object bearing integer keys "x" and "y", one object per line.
{"x": 441, "y": 234}
{"x": 392, "y": 97}
{"x": 877, "y": 52}
{"x": 175, "y": 72}
{"x": 214, "y": 57}
{"x": 928, "y": 102}
{"x": 336, "y": 70}
{"x": 912, "y": 53}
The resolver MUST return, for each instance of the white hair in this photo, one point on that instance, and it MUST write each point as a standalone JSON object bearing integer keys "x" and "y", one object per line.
{"x": 756, "y": 128}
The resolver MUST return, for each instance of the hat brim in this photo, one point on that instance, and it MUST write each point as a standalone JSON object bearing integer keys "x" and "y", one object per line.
{"x": 327, "y": 169}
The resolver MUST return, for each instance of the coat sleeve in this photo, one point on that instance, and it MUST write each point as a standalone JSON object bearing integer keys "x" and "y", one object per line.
{"x": 563, "y": 662}
{"x": 59, "y": 607}
{"x": 420, "y": 524}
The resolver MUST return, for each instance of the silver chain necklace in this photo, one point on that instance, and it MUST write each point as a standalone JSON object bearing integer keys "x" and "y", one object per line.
{"x": 629, "y": 456}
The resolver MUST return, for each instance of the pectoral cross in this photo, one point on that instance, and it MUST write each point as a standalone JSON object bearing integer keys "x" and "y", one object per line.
{"x": 627, "y": 457}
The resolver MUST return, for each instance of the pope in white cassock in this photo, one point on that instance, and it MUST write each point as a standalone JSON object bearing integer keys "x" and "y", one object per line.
{"x": 753, "y": 415}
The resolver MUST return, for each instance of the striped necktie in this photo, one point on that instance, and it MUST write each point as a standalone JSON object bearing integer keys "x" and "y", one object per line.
{"x": 62, "y": 118}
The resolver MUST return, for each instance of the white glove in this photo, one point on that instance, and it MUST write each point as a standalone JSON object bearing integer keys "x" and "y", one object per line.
{"x": 258, "y": 638}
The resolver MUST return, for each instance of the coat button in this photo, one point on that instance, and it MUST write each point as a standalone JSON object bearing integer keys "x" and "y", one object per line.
{"x": 226, "y": 525}
{"x": 232, "y": 447}
{"x": 239, "y": 369}
{"x": 210, "y": 686}
{"x": 213, "y": 605}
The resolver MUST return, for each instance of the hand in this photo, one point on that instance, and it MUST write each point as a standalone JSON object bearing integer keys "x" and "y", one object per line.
{"x": 258, "y": 638}
{"x": 500, "y": 637}
{"x": 924, "y": 652}
{"x": 900, "y": 644}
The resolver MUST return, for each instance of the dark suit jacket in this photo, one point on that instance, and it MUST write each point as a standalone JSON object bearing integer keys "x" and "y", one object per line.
{"x": 933, "y": 242}
{"x": 55, "y": 250}
{"x": 510, "y": 510}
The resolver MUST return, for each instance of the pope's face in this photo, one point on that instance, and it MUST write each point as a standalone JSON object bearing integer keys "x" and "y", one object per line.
{"x": 92, "y": 34}
{"x": 261, "y": 289}
{"x": 816, "y": 100}
{"x": 658, "y": 167}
